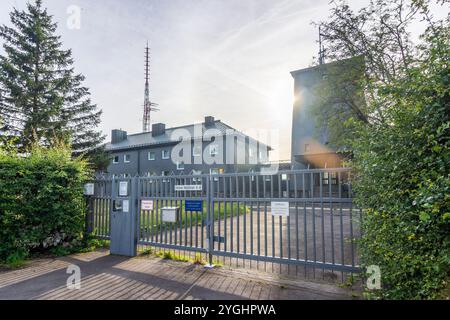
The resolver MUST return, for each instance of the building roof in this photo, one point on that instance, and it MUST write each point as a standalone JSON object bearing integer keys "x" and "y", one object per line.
{"x": 146, "y": 139}
{"x": 358, "y": 60}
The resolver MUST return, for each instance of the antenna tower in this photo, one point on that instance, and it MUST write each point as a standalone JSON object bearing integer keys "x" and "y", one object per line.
{"x": 321, "y": 49}
{"x": 148, "y": 106}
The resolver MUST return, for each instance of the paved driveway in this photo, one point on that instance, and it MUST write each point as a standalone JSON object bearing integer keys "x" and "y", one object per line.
{"x": 113, "y": 277}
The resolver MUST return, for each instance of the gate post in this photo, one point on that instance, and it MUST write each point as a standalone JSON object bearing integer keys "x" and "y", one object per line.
{"x": 124, "y": 214}
{"x": 89, "y": 217}
{"x": 134, "y": 208}
{"x": 209, "y": 224}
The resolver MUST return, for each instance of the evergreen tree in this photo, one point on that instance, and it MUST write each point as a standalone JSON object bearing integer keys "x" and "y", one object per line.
{"x": 42, "y": 99}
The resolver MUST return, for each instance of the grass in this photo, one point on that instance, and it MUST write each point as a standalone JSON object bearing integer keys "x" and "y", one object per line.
{"x": 153, "y": 223}
{"x": 171, "y": 255}
{"x": 93, "y": 244}
{"x": 86, "y": 245}
{"x": 18, "y": 260}
{"x": 15, "y": 261}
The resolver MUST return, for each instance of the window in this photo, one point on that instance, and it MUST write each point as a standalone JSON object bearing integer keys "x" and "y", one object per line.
{"x": 152, "y": 155}
{"x": 250, "y": 152}
{"x": 165, "y": 154}
{"x": 165, "y": 174}
{"x": 263, "y": 157}
{"x": 180, "y": 166}
{"x": 127, "y": 158}
{"x": 252, "y": 172}
{"x": 216, "y": 171}
{"x": 307, "y": 147}
{"x": 116, "y": 159}
{"x": 329, "y": 177}
{"x": 214, "y": 149}
{"x": 197, "y": 151}
{"x": 325, "y": 178}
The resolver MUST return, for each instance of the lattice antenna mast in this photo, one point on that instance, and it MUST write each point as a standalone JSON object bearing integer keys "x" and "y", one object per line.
{"x": 148, "y": 106}
{"x": 321, "y": 49}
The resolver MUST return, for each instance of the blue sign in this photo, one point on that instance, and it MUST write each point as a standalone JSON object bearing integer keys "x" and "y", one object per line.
{"x": 193, "y": 205}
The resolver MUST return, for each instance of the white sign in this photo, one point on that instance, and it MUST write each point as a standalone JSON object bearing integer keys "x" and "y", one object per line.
{"x": 147, "y": 205}
{"x": 123, "y": 188}
{"x": 169, "y": 214}
{"x": 280, "y": 208}
{"x": 89, "y": 189}
{"x": 189, "y": 187}
{"x": 125, "y": 205}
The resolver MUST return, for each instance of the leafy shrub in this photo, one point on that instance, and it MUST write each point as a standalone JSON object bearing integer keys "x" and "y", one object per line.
{"x": 42, "y": 205}
{"x": 404, "y": 180}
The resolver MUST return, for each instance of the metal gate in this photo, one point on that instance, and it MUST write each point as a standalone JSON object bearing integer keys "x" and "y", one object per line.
{"x": 234, "y": 216}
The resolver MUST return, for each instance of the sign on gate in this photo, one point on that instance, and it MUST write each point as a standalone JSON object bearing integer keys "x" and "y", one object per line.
{"x": 189, "y": 187}
{"x": 279, "y": 208}
{"x": 125, "y": 206}
{"x": 147, "y": 205}
{"x": 193, "y": 205}
{"x": 169, "y": 214}
{"x": 123, "y": 188}
{"x": 89, "y": 189}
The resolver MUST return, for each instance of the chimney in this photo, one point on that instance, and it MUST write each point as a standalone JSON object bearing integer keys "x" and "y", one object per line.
{"x": 118, "y": 136}
{"x": 209, "y": 121}
{"x": 158, "y": 129}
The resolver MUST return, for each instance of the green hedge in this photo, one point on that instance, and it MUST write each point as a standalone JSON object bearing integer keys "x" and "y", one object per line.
{"x": 42, "y": 205}
{"x": 404, "y": 182}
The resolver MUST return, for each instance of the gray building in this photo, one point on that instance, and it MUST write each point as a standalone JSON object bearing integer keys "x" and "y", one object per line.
{"x": 208, "y": 147}
{"x": 310, "y": 140}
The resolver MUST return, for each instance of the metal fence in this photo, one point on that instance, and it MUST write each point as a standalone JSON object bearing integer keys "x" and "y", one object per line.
{"x": 236, "y": 223}
{"x": 99, "y": 206}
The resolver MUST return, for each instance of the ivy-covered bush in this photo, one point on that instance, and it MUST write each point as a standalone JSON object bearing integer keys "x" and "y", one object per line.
{"x": 404, "y": 180}
{"x": 41, "y": 201}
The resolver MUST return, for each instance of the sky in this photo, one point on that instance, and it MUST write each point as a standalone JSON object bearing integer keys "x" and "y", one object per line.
{"x": 229, "y": 59}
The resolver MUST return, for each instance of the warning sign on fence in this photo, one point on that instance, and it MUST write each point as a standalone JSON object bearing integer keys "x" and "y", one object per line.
{"x": 279, "y": 208}
{"x": 147, "y": 205}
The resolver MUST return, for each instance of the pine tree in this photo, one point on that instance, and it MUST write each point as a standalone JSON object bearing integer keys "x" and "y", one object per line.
{"x": 42, "y": 99}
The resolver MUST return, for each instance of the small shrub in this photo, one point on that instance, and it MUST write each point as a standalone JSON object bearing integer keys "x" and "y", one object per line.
{"x": 42, "y": 205}
{"x": 16, "y": 259}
